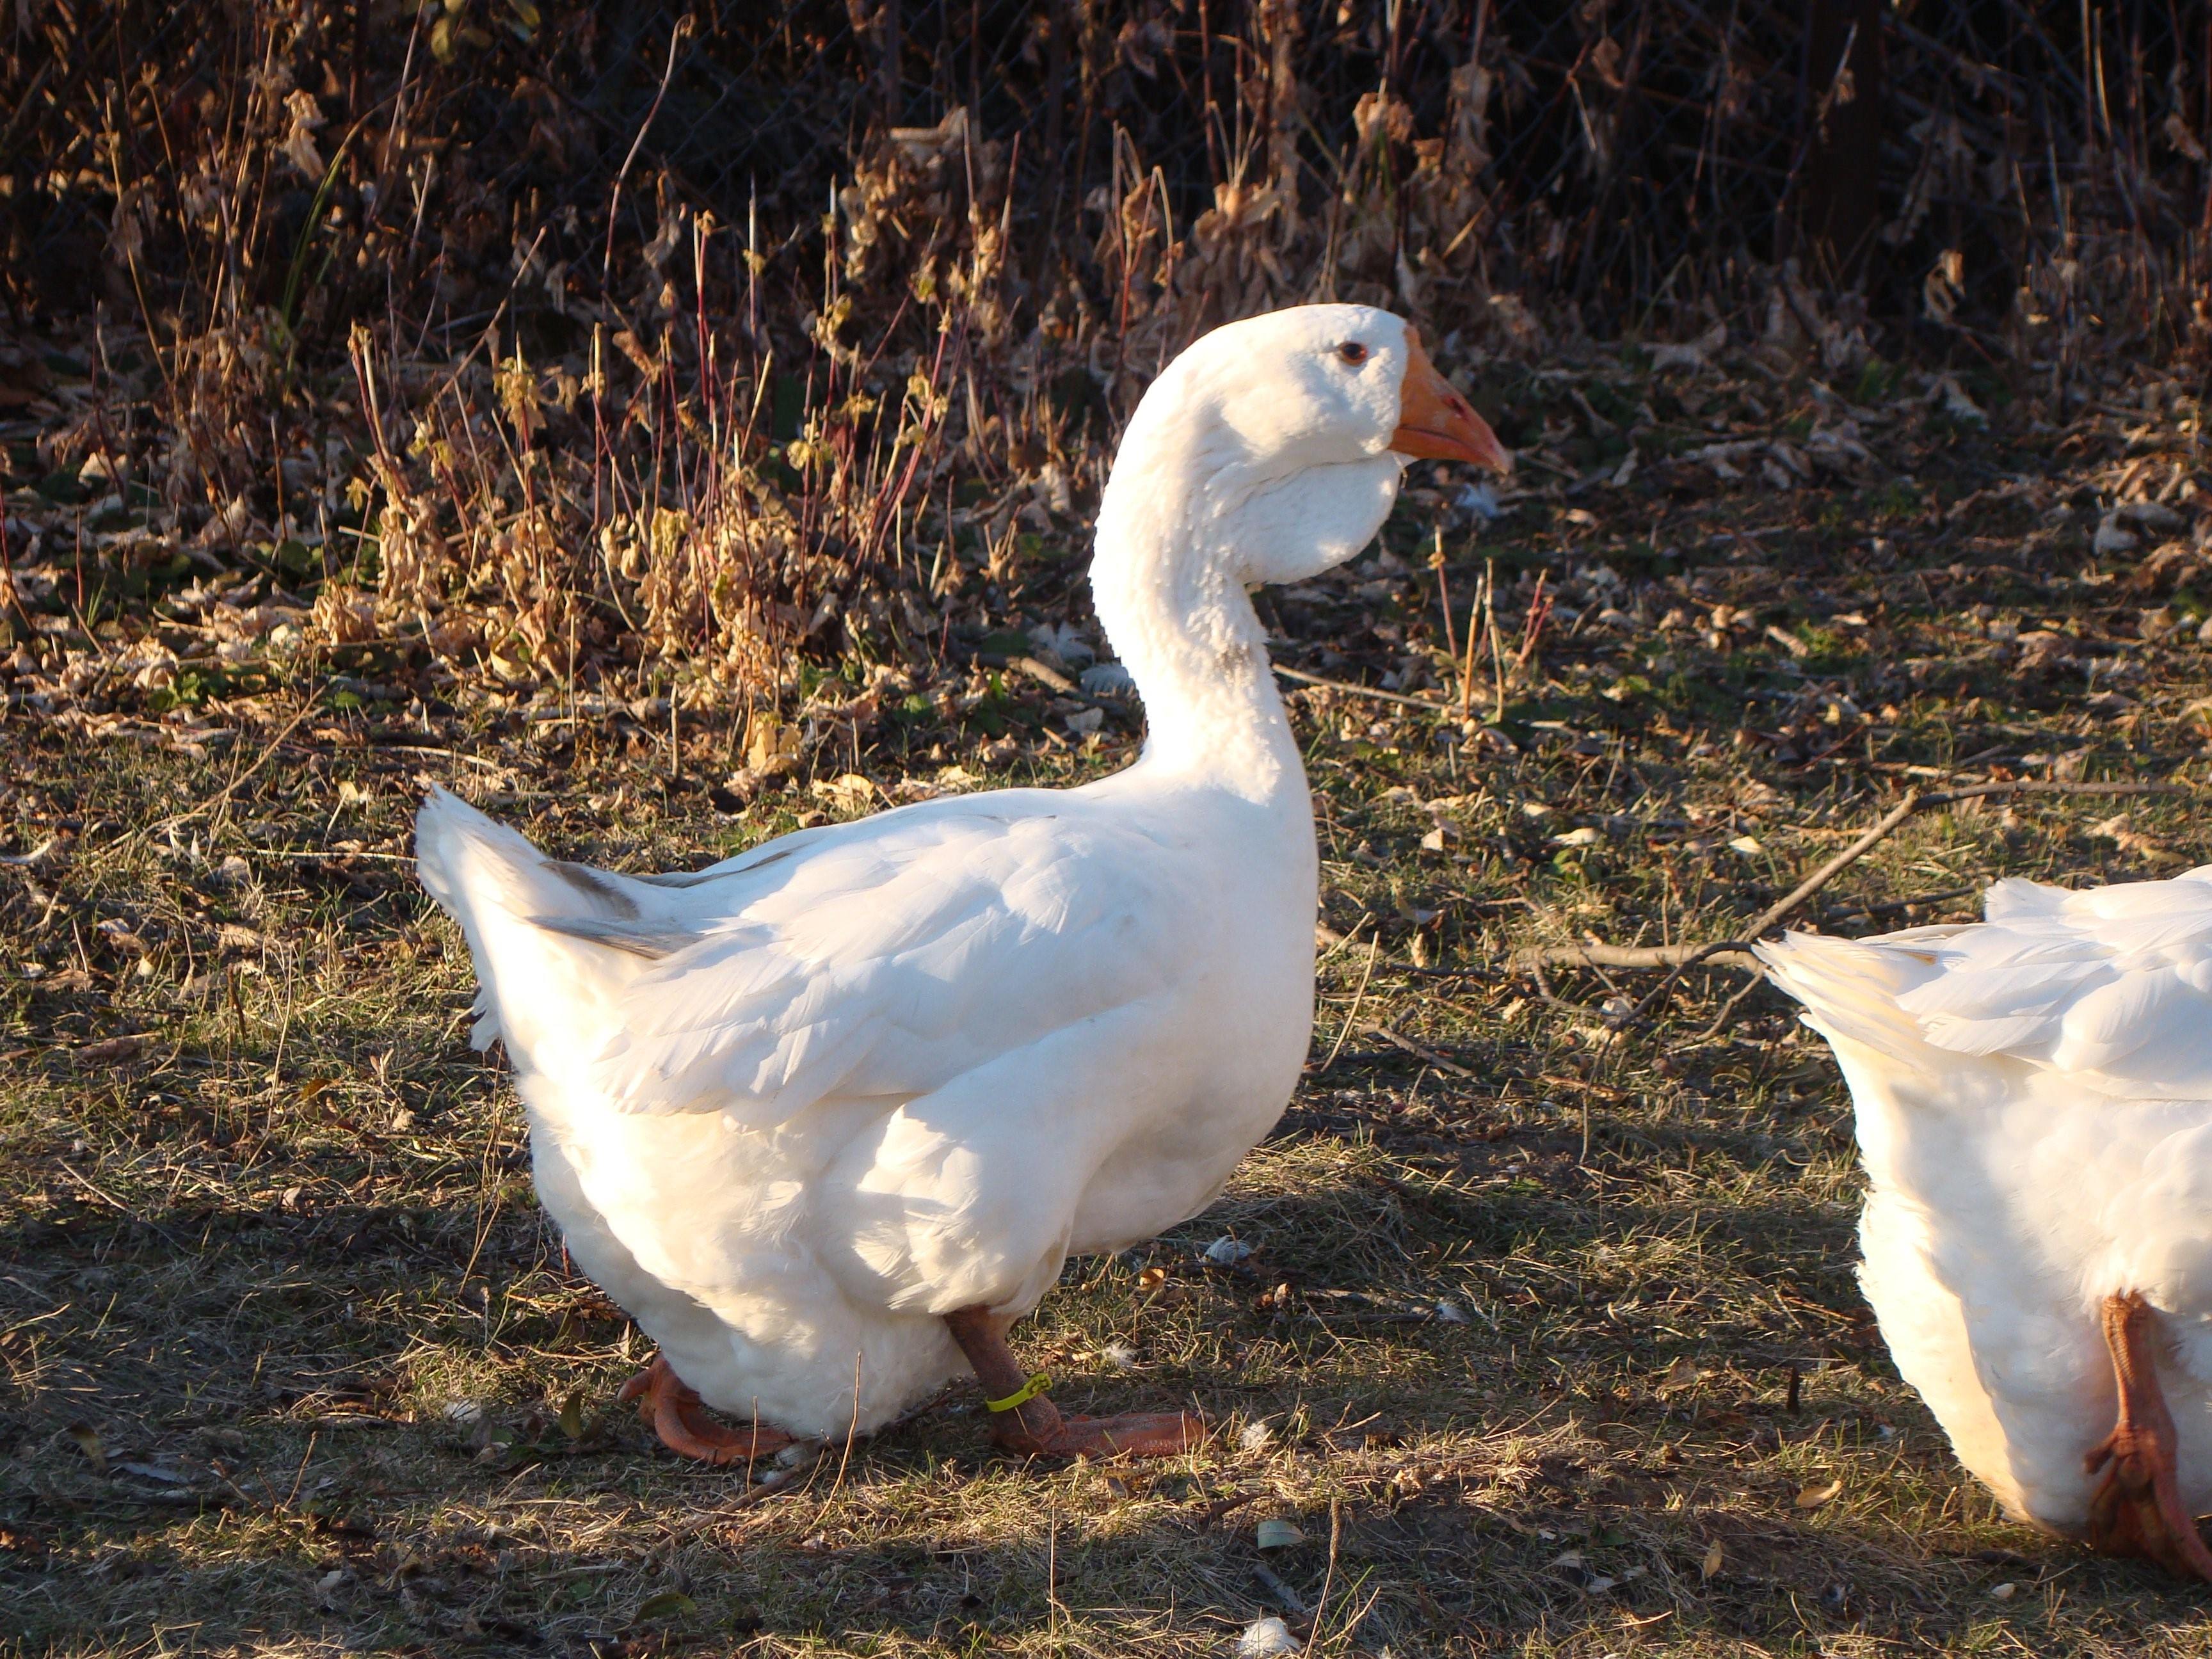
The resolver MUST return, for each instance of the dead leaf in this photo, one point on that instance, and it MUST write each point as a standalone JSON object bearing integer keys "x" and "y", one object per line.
{"x": 110, "y": 1051}
{"x": 1813, "y": 1496}
{"x": 89, "y": 1442}
{"x": 1715, "y": 1560}
{"x": 669, "y": 1604}
{"x": 1278, "y": 1535}
{"x": 851, "y": 792}
{"x": 2112, "y": 538}
{"x": 1682, "y": 1374}
{"x": 2115, "y": 829}
{"x": 772, "y": 748}
{"x": 119, "y": 934}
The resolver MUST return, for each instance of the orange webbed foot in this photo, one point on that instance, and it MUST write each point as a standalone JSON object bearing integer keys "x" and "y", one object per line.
{"x": 1135, "y": 1434}
{"x": 1025, "y": 1422}
{"x": 2137, "y": 1509}
{"x": 679, "y": 1418}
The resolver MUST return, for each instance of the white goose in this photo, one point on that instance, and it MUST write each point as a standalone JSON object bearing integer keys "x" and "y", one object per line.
{"x": 826, "y": 1118}
{"x": 2034, "y": 1105}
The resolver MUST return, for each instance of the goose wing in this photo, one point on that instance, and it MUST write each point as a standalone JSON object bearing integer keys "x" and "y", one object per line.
{"x": 883, "y": 959}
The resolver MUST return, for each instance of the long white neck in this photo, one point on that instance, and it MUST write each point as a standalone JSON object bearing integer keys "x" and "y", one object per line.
{"x": 1188, "y": 518}
{"x": 1168, "y": 595}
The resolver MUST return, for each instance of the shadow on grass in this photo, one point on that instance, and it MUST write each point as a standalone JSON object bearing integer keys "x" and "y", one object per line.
{"x": 279, "y": 1473}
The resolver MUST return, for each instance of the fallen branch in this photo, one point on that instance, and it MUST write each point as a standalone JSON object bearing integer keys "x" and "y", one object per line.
{"x": 1428, "y": 1056}
{"x": 1376, "y": 692}
{"x": 1629, "y": 955}
{"x": 1737, "y": 953}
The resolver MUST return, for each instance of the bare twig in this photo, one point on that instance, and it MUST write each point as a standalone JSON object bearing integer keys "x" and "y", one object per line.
{"x": 1358, "y": 998}
{"x": 1473, "y": 634}
{"x": 677, "y": 36}
{"x": 1329, "y": 1576}
{"x": 1728, "y": 1009}
{"x": 1535, "y": 967}
{"x": 1787, "y": 905}
{"x": 1429, "y": 1056}
{"x": 1630, "y": 956}
{"x": 1303, "y": 678}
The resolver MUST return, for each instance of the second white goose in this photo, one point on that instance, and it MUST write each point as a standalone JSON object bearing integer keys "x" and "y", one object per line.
{"x": 2035, "y": 1107}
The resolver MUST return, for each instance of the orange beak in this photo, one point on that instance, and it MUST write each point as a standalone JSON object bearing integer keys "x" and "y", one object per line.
{"x": 1435, "y": 424}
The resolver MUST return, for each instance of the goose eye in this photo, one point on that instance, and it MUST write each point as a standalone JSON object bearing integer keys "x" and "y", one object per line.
{"x": 1353, "y": 352}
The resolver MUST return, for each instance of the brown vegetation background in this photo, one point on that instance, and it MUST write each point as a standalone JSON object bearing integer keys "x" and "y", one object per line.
{"x": 554, "y": 341}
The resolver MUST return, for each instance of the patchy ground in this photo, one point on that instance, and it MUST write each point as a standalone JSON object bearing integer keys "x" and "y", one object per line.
{"x": 1539, "y": 1328}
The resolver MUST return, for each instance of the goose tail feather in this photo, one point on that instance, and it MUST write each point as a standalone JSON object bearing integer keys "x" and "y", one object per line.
{"x": 1850, "y": 988}
{"x": 489, "y": 878}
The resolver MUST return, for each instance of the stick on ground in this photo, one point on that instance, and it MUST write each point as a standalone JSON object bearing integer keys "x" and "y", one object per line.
{"x": 1737, "y": 953}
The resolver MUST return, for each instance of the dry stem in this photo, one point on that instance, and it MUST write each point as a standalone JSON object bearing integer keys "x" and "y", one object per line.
{"x": 1736, "y": 952}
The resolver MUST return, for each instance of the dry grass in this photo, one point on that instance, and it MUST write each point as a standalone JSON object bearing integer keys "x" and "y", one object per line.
{"x": 648, "y": 530}
{"x": 1548, "y": 1341}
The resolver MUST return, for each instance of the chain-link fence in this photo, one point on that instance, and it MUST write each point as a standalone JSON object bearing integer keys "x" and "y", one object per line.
{"x": 1973, "y": 164}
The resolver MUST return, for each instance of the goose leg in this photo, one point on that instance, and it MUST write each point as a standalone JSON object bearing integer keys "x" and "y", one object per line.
{"x": 2137, "y": 1509}
{"x": 1035, "y": 1427}
{"x": 679, "y": 1418}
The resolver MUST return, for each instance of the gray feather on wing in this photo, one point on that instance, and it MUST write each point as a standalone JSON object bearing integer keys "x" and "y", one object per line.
{"x": 682, "y": 879}
{"x": 637, "y": 938}
{"x": 592, "y": 884}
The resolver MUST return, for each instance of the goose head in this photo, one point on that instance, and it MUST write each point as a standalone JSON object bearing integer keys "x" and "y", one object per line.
{"x": 1268, "y": 452}
{"x": 1275, "y": 444}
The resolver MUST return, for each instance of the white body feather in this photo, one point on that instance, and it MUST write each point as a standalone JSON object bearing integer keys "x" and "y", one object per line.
{"x": 2034, "y": 1108}
{"x": 791, "y": 1110}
